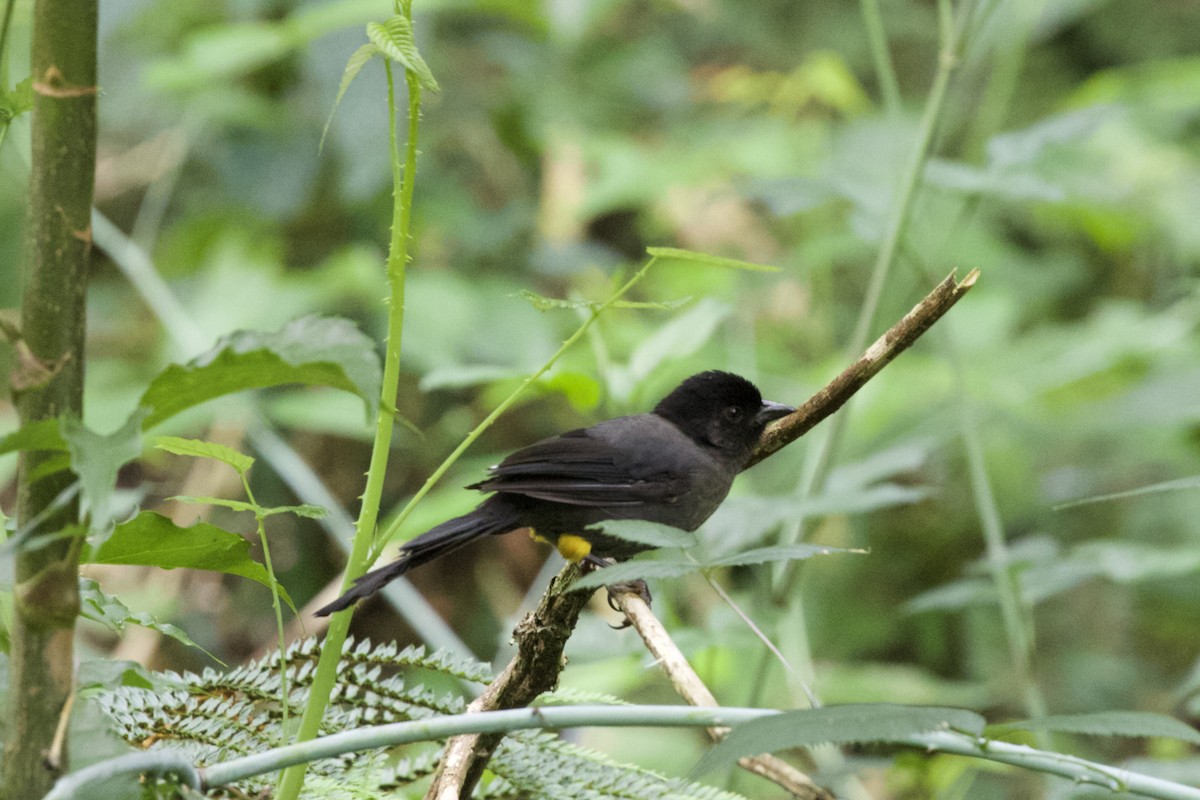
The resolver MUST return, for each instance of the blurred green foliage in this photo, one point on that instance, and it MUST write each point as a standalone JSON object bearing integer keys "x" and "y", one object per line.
{"x": 566, "y": 138}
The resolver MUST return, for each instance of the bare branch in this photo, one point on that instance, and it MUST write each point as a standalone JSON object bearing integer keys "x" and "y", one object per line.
{"x": 835, "y": 394}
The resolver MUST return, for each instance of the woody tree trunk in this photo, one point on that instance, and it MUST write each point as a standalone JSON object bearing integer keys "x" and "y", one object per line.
{"x": 49, "y": 383}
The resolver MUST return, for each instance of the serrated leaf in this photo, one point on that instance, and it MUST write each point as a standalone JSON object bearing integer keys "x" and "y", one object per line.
{"x": 97, "y": 458}
{"x": 651, "y": 534}
{"x": 198, "y": 448}
{"x": 783, "y": 552}
{"x": 659, "y": 565}
{"x": 1135, "y": 724}
{"x": 394, "y": 39}
{"x": 678, "y": 254}
{"x": 152, "y": 540}
{"x": 681, "y": 336}
{"x": 40, "y": 435}
{"x": 316, "y": 351}
{"x": 113, "y": 614}
{"x": 358, "y": 59}
{"x": 838, "y": 725}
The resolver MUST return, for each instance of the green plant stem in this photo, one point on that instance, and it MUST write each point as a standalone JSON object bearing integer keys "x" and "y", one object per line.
{"x": 1014, "y": 612}
{"x": 821, "y": 453}
{"x": 559, "y": 717}
{"x": 331, "y": 650}
{"x": 508, "y": 401}
{"x": 285, "y": 703}
{"x": 46, "y": 591}
{"x": 885, "y": 71}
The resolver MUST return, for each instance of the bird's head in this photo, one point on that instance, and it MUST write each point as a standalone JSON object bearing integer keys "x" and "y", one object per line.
{"x": 721, "y": 410}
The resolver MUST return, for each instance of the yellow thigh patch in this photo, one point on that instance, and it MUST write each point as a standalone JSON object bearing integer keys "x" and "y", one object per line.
{"x": 573, "y": 548}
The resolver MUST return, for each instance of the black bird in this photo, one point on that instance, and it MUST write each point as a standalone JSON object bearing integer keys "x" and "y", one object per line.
{"x": 673, "y": 466}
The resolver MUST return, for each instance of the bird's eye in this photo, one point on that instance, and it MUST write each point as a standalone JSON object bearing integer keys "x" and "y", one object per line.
{"x": 733, "y": 413}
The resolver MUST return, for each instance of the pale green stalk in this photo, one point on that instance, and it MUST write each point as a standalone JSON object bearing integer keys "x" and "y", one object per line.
{"x": 260, "y": 520}
{"x": 885, "y": 71}
{"x": 339, "y": 625}
{"x": 559, "y": 717}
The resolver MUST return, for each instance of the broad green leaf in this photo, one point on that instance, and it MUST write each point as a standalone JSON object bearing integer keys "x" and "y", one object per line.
{"x": 677, "y": 254}
{"x": 152, "y": 540}
{"x": 838, "y": 725}
{"x": 201, "y": 449}
{"x": 323, "y": 351}
{"x": 394, "y": 39}
{"x": 683, "y": 335}
{"x": 788, "y": 552}
{"x": 657, "y": 565}
{"x": 651, "y": 534}
{"x": 358, "y": 59}
{"x": 115, "y": 615}
{"x": 96, "y": 459}
{"x": 1136, "y": 724}
{"x": 40, "y": 435}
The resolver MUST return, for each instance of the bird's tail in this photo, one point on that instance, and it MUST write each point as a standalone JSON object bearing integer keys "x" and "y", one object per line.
{"x": 485, "y": 520}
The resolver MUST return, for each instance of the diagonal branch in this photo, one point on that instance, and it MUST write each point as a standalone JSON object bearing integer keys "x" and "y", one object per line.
{"x": 898, "y": 338}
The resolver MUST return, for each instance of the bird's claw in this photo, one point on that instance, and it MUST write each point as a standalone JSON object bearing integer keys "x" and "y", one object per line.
{"x": 637, "y": 587}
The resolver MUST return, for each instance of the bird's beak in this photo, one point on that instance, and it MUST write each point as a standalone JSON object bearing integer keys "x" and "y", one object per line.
{"x": 772, "y": 411}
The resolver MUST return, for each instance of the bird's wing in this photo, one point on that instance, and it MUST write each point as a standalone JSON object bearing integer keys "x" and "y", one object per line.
{"x": 584, "y": 468}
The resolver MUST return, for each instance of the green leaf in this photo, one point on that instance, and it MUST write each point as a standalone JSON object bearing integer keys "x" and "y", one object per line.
{"x": 201, "y": 449}
{"x": 659, "y": 564}
{"x": 358, "y": 59}
{"x": 683, "y": 335}
{"x": 651, "y": 534}
{"x": 838, "y": 725}
{"x": 306, "y": 510}
{"x": 788, "y": 552}
{"x": 150, "y": 539}
{"x": 394, "y": 39}
{"x": 677, "y": 254}
{"x": 16, "y": 101}
{"x": 1135, "y": 724}
{"x": 40, "y": 435}
{"x": 321, "y": 351}
{"x": 96, "y": 459}
{"x": 115, "y": 615}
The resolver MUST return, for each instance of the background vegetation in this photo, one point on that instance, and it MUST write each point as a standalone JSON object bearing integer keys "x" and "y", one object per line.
{"x": 568, "y": 136}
